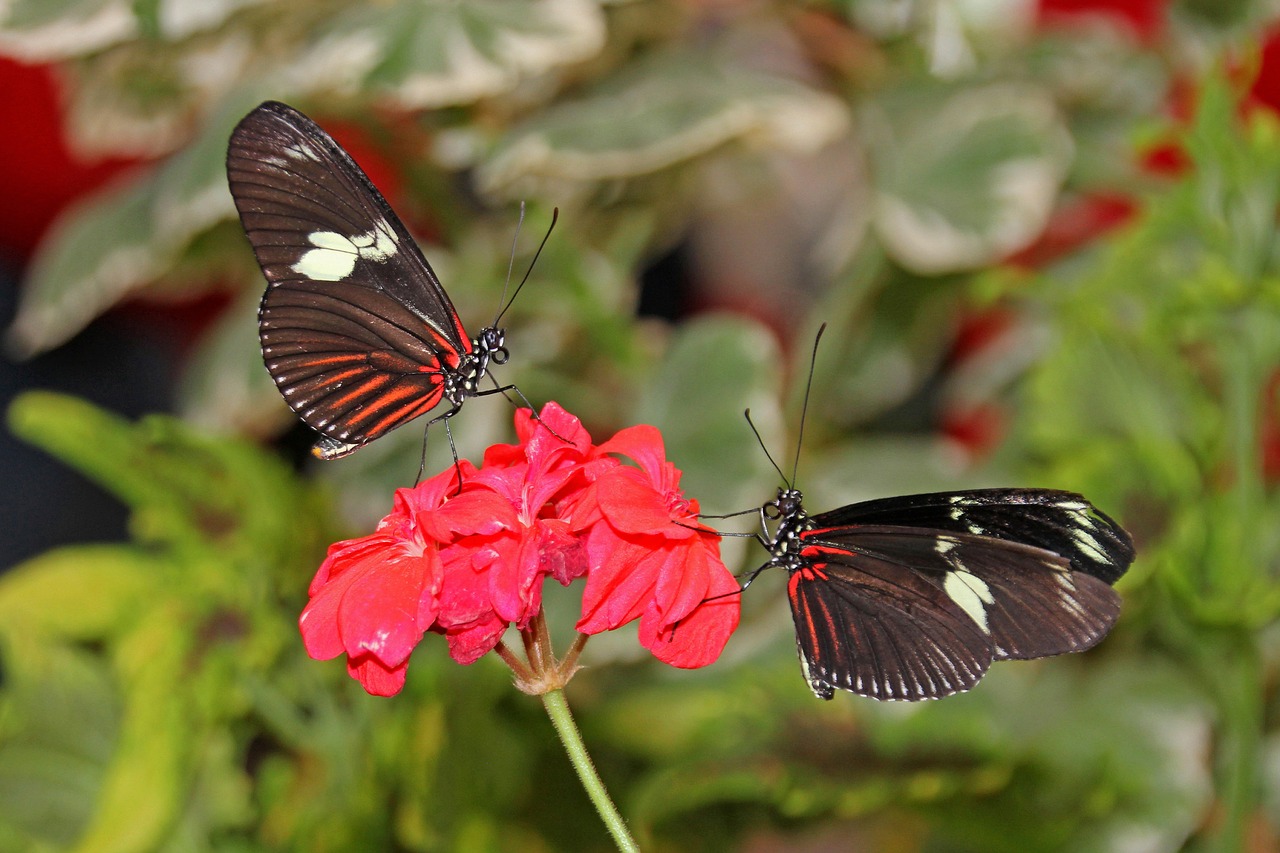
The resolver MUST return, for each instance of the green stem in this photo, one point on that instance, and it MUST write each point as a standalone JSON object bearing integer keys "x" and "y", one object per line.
{"x": 562, "y": 719}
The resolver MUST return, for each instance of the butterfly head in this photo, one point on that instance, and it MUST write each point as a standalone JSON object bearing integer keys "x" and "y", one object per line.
{"x": 787, "y": 505}
{"x": 491, "y": 345}
{"x": 488, "y": 347}
{"x": 788, "y": 510}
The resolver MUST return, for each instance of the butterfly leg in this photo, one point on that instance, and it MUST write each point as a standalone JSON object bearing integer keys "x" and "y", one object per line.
{"x": 426, "y": 433}
{"x": 503, "y": 389}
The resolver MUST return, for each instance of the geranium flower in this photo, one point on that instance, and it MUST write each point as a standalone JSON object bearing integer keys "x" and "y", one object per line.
{"x": 465, "y": 554}
{"x": 650, "y": 558}
{"x": 374, "y": 596}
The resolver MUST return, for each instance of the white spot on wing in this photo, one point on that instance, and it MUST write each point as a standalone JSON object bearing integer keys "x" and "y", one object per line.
{"x": 335, "y": 256}
{"x": 301, "y": 151}
{"x": 1089, "y": 545}
{"x": 971, "y": 593}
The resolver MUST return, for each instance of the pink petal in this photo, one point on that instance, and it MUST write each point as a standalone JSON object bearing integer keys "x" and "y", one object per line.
{"x": 347, "y": 563}
{"x": 643, "y": 444}
{"x": 377, "y": 678}
{"x": 464, "y": 593}
{"x": 469, "y": 643}
{"x": 699, "y": 638}
{"x": 344, "y": 555}
{"x": 632, "y": 506}
{"x": 619, "y": 589}
{"x": 513, "y": 577}
{"x": 561, "y": 554}
{"x": 379, "y": 613}
{"x": 684, "y": 580}
{"x": 474, "y": 511}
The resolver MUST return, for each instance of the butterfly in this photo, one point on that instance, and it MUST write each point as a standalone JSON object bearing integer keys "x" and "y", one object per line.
{"x": 914, "y": 597}
{"x": 356, "y": 330}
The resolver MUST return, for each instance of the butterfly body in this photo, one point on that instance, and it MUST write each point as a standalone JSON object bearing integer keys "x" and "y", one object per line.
{"x": 914, "y": 597}
{"x": 356, "y": 330}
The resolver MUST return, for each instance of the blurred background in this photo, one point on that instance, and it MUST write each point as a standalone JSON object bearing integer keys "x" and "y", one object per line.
{"x": 1042, "y": 233}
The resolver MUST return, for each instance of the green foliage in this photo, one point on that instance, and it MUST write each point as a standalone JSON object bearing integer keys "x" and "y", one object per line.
{"x": 155, "y": 694}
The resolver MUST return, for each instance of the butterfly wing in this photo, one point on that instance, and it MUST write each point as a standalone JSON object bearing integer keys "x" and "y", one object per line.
{"x": 1061, "y": 522}
{"x": 878, "y": 629}
{"x": 908, "y": 613}
{"x": 356, "y": 330}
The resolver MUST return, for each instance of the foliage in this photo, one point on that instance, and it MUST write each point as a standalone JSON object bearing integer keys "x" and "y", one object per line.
{"x": 898, "y": 170}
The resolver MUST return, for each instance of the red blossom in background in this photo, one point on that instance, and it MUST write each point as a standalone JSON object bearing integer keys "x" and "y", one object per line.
{"x": 1144, "y": 19}
{"x": 1264, "y": 92}
{"x": 1075, "y": 222}
{"x": 467, "y": 557}
{"x": 1269, "y": 430}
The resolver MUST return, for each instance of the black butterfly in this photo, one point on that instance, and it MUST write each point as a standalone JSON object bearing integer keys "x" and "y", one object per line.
{"x": 913, "y": 597}
{"x": 356, "y": 330}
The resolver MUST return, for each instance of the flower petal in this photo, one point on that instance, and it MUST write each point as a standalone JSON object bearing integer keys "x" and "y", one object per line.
{"x": 632, "y": 505}
{"x": 619, "y": 588}
{"x": 698, "y": 638}
{"x": 377, "y": 678}
{"x": 469, "y": 643}
{"x": 347, "y": 563}
{"x": 643, "y": 444}
{"x": 379, "y": 613}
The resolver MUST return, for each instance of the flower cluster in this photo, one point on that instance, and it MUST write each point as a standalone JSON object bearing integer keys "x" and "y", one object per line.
{"x": 465, "y": 553}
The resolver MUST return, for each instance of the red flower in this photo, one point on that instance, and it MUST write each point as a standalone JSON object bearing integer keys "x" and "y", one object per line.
{"x": 373, "y": 597}
{"x": 1264, "y": 92}
{"x": 1075, "y": 223}
{"x": 495, "y": 579}
{"x": 1269, "y": 430}
{"x": 651, "y": 560}
{"x": 467, "y": 558}
{"x": 1143, "y": 18}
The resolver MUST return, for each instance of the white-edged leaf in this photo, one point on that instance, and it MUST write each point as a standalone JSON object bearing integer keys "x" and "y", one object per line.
{"x": 433, "y": 54}
{"x": 965, "y": 177}
{"x": 191, "y": 191}
{"x": 123, "y": 239}
{"x": 139, "y": 100}
{"x": 660, "y": 112}
{"x": 177, "y": 19}
{"x": 98, "y": 253}
{"x": 49, "y": 30}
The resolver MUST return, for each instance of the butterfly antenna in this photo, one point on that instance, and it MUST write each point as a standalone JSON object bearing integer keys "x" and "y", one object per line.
{"x": 804, "y": 408}
{"x": 555, "y": 215}
{"x": 511, "y": 263}
{"x": 760, "y": 441}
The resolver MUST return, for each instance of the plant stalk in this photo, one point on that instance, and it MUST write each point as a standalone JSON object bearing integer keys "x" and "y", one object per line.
{"x": 567, "y": 729}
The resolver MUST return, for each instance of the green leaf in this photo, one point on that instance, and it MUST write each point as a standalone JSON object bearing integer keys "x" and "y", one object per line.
{"x": 82, "y": 592}
{"x": 146, "y": 781}
{"x": 184, "y": 489}
{"x": 47, "y": 30}
{"x": 716, "y": 368}
{"x": 658, "y": 112}
{"x": 964, "y": 177}
{"x": 97, "y": 254}
{"x": 61, "y": 718}
{"x": 436, "y": 54}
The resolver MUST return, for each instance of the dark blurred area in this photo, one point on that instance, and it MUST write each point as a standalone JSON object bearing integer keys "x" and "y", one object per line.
{"x": 123, "y": 361}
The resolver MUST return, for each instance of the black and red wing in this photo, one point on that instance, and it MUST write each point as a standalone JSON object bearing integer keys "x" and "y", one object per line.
{"x": 1064, "y": 523}
{"x": 881, "y": 630}
{"x": 356, "y": 330}
{"x": 908, "y": 613}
